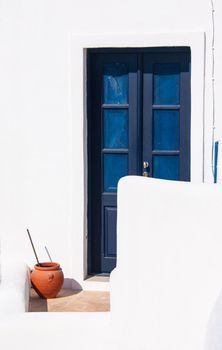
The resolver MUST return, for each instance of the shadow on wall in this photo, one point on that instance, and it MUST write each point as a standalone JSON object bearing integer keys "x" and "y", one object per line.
{"x": 72, "y": 284}
{"x": 214, "y": 327}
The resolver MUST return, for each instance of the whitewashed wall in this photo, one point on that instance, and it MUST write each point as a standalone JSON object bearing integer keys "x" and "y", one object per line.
{"x": 42, "y": 115}
{"x": 169, "y": 295}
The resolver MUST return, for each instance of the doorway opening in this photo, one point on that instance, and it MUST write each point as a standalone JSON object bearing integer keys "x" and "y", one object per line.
{"x": 138, "y": 120}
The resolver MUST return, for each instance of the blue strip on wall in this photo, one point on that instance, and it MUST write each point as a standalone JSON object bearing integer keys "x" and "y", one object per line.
{"x": 215, "y": 160}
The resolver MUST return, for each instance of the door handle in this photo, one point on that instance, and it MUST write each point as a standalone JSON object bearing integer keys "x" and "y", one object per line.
{"x": 145, "y": 168}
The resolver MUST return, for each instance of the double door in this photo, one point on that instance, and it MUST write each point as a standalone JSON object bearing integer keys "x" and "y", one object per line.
{"x": 138, "y": 124}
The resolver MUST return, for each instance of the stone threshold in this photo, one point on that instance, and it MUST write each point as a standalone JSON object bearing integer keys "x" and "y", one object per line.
{"x": 97, "y": 278}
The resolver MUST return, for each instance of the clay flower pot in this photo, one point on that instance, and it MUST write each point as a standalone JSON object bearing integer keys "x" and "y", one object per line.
{"x": 47, "y": 279}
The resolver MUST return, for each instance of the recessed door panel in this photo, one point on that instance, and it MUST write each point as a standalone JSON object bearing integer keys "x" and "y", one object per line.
{"x": 110, "y": 214}
{"x": 115, "y": 83}
{"x": 115, "y": 166}
{"x": 166, "y": 130}
{"x": 116, "y": 128}
{"x": 166, "y": 83}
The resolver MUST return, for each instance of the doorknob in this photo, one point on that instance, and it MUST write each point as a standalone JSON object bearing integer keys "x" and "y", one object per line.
{"x": 145, "y": 168}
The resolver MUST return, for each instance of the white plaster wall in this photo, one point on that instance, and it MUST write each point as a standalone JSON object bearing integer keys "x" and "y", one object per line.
{"x": 42, "y": 113}
{"x": 169, "y": 295}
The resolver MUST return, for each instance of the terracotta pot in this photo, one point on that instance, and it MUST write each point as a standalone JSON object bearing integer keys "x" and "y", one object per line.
{"x": 47, "y": 279}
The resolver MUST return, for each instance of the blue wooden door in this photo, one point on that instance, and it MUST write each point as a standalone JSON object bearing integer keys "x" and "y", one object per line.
{"x": 166, "y": 114}
{"x": 138, "y": 123}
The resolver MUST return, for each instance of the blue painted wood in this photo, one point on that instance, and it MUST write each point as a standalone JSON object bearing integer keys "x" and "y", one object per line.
{"x": 185, "y": 113}
{"x": 166, "y": 130}
{"x": 177, "y": 138}
{"x": 111, "y": 150}
{"x": 115, "y": 166}
{"x": 110, "y": 215}
{"x": 115, "y": 83}
{"x": 166, "y": 83}
{"x": 216, "y": 146}
{"x": 166, "y": 167}
{"x": 138, "y": 110}
{"x": 116, "y": 128}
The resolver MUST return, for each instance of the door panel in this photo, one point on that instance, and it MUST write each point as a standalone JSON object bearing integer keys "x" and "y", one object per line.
{"x": 166, "y": 132}
{"x": 110, "y": 214}
{"x": 115, "y": 166}
{"x": 166, "y": 115}
{"x": 166, "y": 83}
{"x": 166, "y": 167}
{"x": 116, "y": 128}
{"x": 115, "y": 81}
{"x": 112, "y": 147}
{"x": 138, "y": 110}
